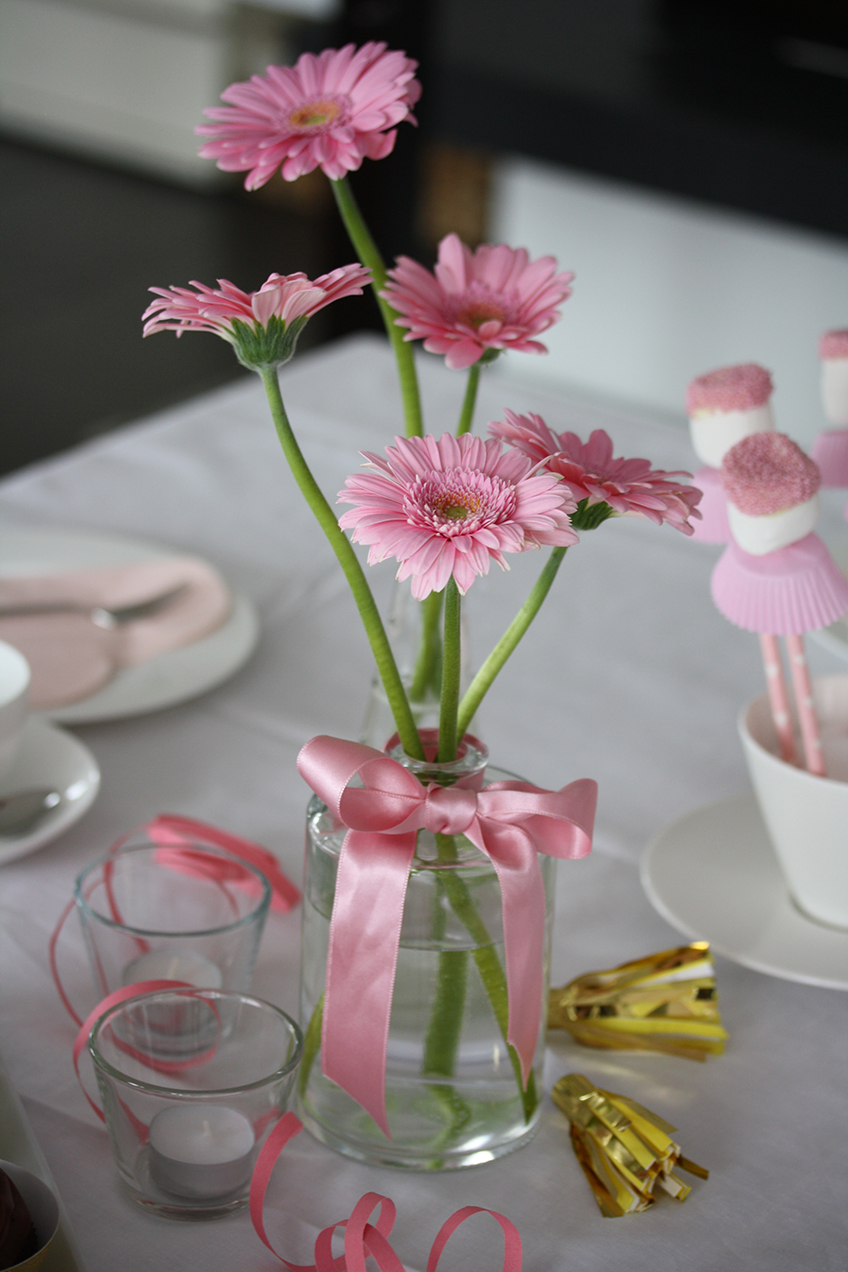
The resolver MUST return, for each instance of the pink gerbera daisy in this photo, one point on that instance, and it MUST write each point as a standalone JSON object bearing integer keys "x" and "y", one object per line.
{"x": 451, "y": 505}
{"x": 262, "y": 326}
{"x": 596, "y": 479}
{"x": 329, "y": 111}
{"x": 477, "y": 302}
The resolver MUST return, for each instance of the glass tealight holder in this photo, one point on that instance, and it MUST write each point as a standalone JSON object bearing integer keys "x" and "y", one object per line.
{"x": 186, "y": 1133}
{"x": 184, "y": 912}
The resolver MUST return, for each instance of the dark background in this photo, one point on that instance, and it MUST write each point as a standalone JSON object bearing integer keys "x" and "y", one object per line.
{"x": 740, "y": 104}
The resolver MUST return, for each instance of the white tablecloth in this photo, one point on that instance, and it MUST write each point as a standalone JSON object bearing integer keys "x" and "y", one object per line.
{"x": 629, "y": 676}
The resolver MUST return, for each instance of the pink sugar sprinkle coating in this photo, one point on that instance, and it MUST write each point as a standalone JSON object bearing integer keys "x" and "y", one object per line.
{"x": 834, "y": 344}
{"x": 736, "y": 388}
{"x": 768, "y": 472}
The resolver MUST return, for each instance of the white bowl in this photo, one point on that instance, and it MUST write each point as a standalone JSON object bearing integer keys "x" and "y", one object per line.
{"x": 14, "y": 688}
{"x": 806, "y": 816}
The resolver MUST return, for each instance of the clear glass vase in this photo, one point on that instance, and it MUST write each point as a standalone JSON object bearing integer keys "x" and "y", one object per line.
{"x": 454, "y": 1095}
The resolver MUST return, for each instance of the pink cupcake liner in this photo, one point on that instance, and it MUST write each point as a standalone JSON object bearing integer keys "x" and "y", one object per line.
{"x": 831, "y": 454}
{"x": 794, "y": 590}
{"x": 713, "y": 526}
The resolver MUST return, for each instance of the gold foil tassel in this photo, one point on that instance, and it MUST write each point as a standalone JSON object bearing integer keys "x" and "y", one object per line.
{"x": 665, "y": 1002}
{"x": 626, "y": 1151}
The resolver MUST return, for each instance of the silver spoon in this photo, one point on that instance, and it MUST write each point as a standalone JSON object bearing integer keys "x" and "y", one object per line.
{"x": 99, "y": 614}
{"x": 20, "y": 812}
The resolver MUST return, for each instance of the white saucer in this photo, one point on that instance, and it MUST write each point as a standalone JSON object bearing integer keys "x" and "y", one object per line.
{"x": 172, "y": 677}
{"x": 50, "y": 757}
{"x": 714, "y": 876}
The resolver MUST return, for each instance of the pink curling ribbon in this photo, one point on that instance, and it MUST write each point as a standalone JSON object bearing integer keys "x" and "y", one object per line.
{"x": 362, "y": 1238}
{"x": 112, "y": 1000}
{"x": 510, "y": 821}
{"x": 172, "y": 831}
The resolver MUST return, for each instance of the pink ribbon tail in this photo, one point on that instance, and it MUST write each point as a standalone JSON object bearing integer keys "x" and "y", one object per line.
{"x": 361, "y": 961}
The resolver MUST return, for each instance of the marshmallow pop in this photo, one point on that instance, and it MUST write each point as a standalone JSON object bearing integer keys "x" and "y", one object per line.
{"x": 831, "y": 448}
{"x": 775, "y": 576}
{"x": 724, "y": 406}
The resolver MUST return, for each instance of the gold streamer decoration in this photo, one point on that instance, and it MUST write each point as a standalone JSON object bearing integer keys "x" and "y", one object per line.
{"x": 666, "y": 1002}
{"x": 626, "y": 1151}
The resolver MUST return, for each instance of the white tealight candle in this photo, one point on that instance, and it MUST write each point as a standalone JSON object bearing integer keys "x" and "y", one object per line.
{"x": 176, "y": 965}
{"x": 201, "y": 1151}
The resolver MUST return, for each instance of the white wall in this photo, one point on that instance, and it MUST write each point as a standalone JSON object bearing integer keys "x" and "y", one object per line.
{"x": 667, "y": 289}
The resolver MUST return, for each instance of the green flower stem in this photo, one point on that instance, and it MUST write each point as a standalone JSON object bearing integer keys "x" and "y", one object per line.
{"x": 426, "y": 674}
{"x": 444, "y": 1029}
{"x": 482, "y": 682}
{"x": 451, "y": 663}
{"x": 493, "y": 977}
{"x": 348, "y": 560}
{"x": 469, "y": 402}
{"x": 369, "y": 255}
{"x": 445, "y": 1026}
{"x": 311, "y": 1045}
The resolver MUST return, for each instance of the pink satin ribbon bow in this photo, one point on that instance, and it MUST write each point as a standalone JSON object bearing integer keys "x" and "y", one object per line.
{"x": 510, "y": 821}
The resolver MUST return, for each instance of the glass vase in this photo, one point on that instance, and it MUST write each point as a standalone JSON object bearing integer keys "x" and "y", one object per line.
{"x": 454, "y": 1095}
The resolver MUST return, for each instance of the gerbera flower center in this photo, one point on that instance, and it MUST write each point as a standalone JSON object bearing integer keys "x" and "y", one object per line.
{"x": 317, "y": 115}
{"x": 476, "y": 312}
{"x": 457, "y": 506}
{"x": 458, "y": 501}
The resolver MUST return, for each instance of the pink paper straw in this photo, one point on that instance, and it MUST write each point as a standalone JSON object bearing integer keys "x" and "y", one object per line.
{"x": 804, "y": 702}
{"x": 778, "y": 697}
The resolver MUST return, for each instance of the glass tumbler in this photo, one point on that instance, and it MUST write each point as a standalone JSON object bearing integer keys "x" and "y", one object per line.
{"x": 186, "y": 912}
{"x": 186, "y": 1134}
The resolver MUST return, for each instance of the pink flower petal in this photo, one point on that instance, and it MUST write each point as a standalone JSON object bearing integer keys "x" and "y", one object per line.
{"x": 281, "y": 296}
{"x": 450, "y": 506}
{"x": 590, "y": 472}
{"x": 491, "y": 299}
{"x": 462, "y": 354}
{"x": 328, "y": 111}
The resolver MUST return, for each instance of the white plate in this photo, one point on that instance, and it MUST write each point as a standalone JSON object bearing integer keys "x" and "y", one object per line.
{"x": 50, "y": 757}
{"x": 173, "y": 677}
{"x": 714, "y": 876}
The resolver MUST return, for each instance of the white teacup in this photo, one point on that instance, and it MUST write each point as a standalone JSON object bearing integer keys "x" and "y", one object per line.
{"x": 14, "y": 688}
{"x": 806, "y": 816}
